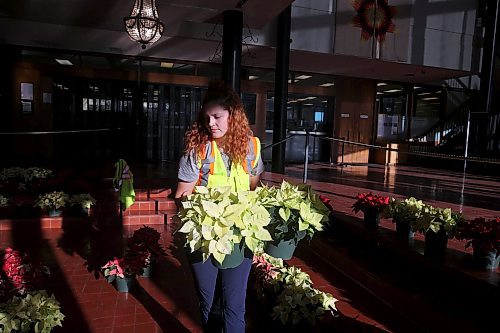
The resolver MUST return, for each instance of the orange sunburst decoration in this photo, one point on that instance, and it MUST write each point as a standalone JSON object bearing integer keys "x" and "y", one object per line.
{"x": 374, "y": 17}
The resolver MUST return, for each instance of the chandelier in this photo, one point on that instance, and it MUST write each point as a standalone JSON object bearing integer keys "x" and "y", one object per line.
{"x": 143, "y": 24}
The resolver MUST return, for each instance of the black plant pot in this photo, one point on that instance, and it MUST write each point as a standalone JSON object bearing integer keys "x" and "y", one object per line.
{"x": 436, "y": 244}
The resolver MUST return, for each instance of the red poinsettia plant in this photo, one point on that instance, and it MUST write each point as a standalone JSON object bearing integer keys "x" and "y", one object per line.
{"x": 20, "y": 273}
{"x": 370, "y": 202}
{"x": 483, "y": 234}
{"x": 327, "y": 202}
{"x": 126, "y": 267}
{"x": 146, "y": 241}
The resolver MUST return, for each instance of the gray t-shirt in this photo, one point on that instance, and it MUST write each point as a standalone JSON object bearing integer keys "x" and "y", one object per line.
{"x": 189, "y": 171}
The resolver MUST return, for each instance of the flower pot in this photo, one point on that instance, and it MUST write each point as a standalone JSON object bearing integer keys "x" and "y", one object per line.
{"x": 486, "y": 260}
{"x": 436, "y": 243}
{"x": 371, "y": 219}
{"x": 284, "y": 249}
{"x": 147, "y": 271}
{"x": 231, "y": 260}
{"x": 54, "y": 212}
{"x": 404, "y": 233}
{"x": 123, "y": 285}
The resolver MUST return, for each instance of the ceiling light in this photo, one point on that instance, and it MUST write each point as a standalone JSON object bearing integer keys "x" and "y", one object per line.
{"x": 289, "y": 81}
{"x": 393, "y": 90}
{"x": 167, "y": 64}
{"x": 308, "y": 104}
{"x": 143, "y": 24}
{"x": 64, "y": 62}
{"x": 253, "y": 77}
{"x": 303, "y": 77}
{"x": 327, "y": 84}
{"x": 429, "y": 98}
{"x": 381, "y": 84}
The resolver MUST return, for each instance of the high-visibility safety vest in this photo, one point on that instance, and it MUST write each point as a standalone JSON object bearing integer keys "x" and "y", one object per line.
{"x": 213, "y": 171}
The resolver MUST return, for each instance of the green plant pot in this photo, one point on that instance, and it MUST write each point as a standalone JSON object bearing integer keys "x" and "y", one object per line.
{"x": 284, "y": 249}
{"x": 371, "y": 219}
{"x": 54, "y": 212}
{"x": 231, "y": 260}
{"x": 123, "y": 285}
{"x": 404, "y": 233}
{"x": 486, "y": 260}
{"x": 147, "y": 271}
{"x": 436, "y": 244}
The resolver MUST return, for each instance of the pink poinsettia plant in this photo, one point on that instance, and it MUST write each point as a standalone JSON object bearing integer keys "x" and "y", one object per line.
{"x": 126, "y": 267}
{"x": 20, "y": 273}
{"x": 483, "y": 234}
{"x": 146, "y": 241}
{"x": 370, "y": 202}
{"x": 265, "y": 271}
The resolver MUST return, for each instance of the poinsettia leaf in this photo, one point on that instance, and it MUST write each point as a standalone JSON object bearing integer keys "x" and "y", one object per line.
{"x": 219, "y": 256}
{"x": 263, "y": 235}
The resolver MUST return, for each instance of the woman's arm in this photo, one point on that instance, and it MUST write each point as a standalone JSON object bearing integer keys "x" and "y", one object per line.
{"x": 254, "y": 181}
{"x": 183, "y": 189}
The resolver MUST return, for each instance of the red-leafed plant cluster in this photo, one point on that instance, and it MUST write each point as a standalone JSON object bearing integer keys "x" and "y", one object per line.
{"x": 327, "y": 202}
{"x": 146, "y": 241}
{"x": 482, "y": 234}
{"x": 20, "y": 274}
{"x": 370, "y": 202}
{"x": 143, "y": 248}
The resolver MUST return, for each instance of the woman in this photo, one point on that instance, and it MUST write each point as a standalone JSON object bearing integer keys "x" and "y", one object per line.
{"x": 221, "y": 151}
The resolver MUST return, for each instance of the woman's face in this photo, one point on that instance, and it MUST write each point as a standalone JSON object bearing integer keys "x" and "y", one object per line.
{"x": 217, "y": 121}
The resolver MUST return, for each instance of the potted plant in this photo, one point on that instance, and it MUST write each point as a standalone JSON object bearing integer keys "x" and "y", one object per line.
{"x": 295, "y": 211}
{"x": 123, "y": 271}
{"x": 35, "y": 312}
{"x": 404, "y": 214}
{"x": 438, "y": 225}
{"x": 484, "y": 237}
{"x": 52, "y": 202}
{"x": 299, "y": 306}
{"x": 219, "y": 223}
{"x": 83, "y": 201}
{"x": 372, "y": 205}
{"x": 21, "y": 272}
{"x": 146, "y": 240}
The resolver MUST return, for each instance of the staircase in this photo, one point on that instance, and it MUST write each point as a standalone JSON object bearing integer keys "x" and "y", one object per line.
{"x": 151, "y": 206}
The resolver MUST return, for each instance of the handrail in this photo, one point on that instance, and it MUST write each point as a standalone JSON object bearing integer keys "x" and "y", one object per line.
{"x": 446, "y": 156}
{"x": 279, "y": 142}
{"x": 58, "y": 132}
{"x": 306, "y": 150}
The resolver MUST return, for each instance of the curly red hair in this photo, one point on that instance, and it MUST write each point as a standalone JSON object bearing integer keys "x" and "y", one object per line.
{"x": 235, "y": 141}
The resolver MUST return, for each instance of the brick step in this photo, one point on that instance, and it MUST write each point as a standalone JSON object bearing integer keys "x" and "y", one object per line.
{"x": 169, "y": 213}
{"x": 146, "y": 219}
{"x": 142, "y": 205}
{"x": 146, "y": 194}
{"x": 136, "y": 212}
{"x": 42, "y": 222}
{"x": 167, "y": 204}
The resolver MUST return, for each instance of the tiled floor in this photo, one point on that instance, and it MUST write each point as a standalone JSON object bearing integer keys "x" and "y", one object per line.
{"x": 167, "y": 302}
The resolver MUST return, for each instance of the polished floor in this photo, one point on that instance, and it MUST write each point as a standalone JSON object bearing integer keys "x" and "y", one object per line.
{"x": 167, "y": 302}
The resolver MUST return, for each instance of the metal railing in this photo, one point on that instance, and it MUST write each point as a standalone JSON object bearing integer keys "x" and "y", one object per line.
{"x": 465, "y": 158}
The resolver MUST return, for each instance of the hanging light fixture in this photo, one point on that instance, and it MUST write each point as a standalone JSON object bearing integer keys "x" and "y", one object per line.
{"x": 143, "y": 24}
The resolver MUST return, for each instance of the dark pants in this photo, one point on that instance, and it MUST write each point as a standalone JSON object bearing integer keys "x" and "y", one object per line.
{"x": 233, "y": 287}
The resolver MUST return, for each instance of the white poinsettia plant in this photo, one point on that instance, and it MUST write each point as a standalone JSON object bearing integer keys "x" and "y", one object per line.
{"x": 25, "y": 175}
{"x": 3, "y": 201}
{"x": 215, "y": 219}
{"x": 52, "y": 200}
{"x": 302, "y": 302}
{"x": 85, "y": 200}
{"x": 293, "y": 209}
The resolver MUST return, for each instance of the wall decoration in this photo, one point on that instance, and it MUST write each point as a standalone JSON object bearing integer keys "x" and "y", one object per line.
{"x": 374, "y": 17}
